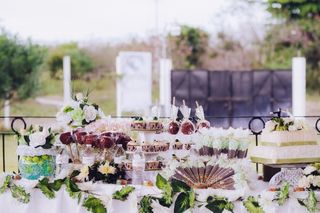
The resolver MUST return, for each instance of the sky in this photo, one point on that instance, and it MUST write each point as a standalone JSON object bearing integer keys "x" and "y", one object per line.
{"x": 114, "y": 20}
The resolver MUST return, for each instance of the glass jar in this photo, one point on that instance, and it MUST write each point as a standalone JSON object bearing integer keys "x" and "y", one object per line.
{"x": 33, "y": 167}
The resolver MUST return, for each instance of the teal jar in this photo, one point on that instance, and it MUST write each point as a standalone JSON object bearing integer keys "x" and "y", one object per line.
{"x": 33, "y": 167}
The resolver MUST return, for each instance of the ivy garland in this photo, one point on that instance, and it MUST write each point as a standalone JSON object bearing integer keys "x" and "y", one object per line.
{"x": 185, "y": 197}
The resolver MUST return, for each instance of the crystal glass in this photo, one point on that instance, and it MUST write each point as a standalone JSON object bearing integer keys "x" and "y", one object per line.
{"x": 33, "y": 167}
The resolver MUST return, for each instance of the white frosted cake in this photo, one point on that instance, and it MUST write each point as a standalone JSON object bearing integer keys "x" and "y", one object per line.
{"x": 286, "y": 141}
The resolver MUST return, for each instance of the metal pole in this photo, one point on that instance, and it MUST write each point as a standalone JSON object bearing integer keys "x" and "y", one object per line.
{"x": 3, "y": 154}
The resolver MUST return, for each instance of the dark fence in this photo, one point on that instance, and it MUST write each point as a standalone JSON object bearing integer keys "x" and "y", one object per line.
{"x": 233, "y": 93}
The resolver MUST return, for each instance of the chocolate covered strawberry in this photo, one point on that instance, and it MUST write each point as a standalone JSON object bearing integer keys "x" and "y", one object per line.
{"x": 173, "y": 128}
{"x": 106, "y": 142}
{"x": 66, "y": 138}
{"x": 90, "y": 139}
{"x": 80, "y": 137}
{"x": 187, "y": 127}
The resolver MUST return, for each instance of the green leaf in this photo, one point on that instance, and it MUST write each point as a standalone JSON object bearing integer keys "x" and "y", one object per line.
{"x": 67, "y": 109}
{"x": 161, "y": 182}
{"x": 48, "y": 188}
{"x": 182, "y": 203}
{"x": 283, "y": 194}
{"x": 74, "y": 173}
{"x": 46, "y": 191}
{"x": 94, "y": 205}
{"x": 19, "y": 193}
{"x": 123, "y": 193}
{"x": 72, "y": 188}
{"x": 310, "y": 203}
{"x": 145, "y": 205}
{"x": 192, "y": 198}
{"x": 166, "y": 188}
{"x": 252, "y": 205}
{"x": 219, "y": 204}
{"x": 6, "y": 184}
{"x": 179, "y": 186}
{"x": 56, "y": 185}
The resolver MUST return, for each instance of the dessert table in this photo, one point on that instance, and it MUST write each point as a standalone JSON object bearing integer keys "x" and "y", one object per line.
{"x": 63, "y": 203}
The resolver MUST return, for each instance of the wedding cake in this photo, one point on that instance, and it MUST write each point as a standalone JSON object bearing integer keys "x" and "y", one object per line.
{"x": 286, "y": 141}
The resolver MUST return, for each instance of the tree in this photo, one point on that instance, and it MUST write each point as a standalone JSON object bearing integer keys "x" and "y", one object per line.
{"x": 81, "y": 63}
{"x": 295, "y": 9}
{"x": 19, "y": 63}
{"x": 298, "y": 32}
{"x": 189, "y": 47}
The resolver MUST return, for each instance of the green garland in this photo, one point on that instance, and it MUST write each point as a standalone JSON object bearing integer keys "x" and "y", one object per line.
{"x": 123, "y": 193}
{"x": 17, "y": 192}
{"x": 310, "y": 203}
{"x": 185, "y": 196}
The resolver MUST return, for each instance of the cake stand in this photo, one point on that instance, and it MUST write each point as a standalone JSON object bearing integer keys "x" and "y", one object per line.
{"x": 290, "y": 173}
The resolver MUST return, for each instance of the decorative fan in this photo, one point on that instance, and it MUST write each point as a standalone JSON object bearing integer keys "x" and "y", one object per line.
{"x": 215, "y": 177}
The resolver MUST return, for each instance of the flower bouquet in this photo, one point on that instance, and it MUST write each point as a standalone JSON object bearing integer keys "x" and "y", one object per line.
{"x": 311, "y": 178}
{"x": 79, "y": 112}
{"x": 105, "y": 171}
{"x": 36, "y": 153}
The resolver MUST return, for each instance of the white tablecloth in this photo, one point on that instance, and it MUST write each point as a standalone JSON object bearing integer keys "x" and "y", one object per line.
{"x": 62, "y": 203}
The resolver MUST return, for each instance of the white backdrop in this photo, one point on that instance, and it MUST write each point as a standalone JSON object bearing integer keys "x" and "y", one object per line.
{"x": 134, "y": 85}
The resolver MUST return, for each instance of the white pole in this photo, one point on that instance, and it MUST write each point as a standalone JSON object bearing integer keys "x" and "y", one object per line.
{"x": 299, "y": 86}
{"x": 6, "y": 113}
{"x": 165, "y": 84}
{"x": 118, "y": 69}
{"x": 66, "y": 79}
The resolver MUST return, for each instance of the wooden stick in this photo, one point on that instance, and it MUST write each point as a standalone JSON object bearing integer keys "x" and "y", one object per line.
{"x": 197, "y": 104}
{"x": 70, "y": 150}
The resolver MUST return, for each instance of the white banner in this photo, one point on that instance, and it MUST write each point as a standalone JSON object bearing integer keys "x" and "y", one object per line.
{"x": 134, "y": 85}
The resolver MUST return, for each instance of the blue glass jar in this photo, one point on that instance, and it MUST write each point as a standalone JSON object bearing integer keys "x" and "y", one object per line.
{"x": 33, "y": 167}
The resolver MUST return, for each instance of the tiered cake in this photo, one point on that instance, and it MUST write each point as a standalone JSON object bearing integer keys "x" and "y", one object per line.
{"x": 286, "y": 141}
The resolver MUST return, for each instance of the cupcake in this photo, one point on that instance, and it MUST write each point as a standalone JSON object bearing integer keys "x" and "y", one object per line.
{"x": 233, "y": 147}
{"x": 243, "y": 137}
{"x": 127, "y": 165}
{"x": 138, "y": 124}
{"x": 154, "y": 125}
{"x": 153, "y": 165}
{"x": 206, "y": 148}
{"x": 243, "y": 149}
{"x": 148, "y": 147}
{"x": 132, "y": 146}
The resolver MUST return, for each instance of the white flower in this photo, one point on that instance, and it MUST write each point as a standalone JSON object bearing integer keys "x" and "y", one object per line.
{"x": 309, "y": 169}
{"x": 84, "y": 172}
{"x": 316, "y": 181}
{"x": 270, "y": 126}
{"x": 36, "y": 128}
{"x": 106, "y": 169}
{"x": 101, "y": 113}
{"x": 79, "y": 96}
{"x": 266, "y": 198}
{"x": 63, "y": 117}
{"x": 37, "y": 139}
{"x": 157, "y": 208}
{"x": 304, "y": 182}
{"x": 90, "y": 113}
